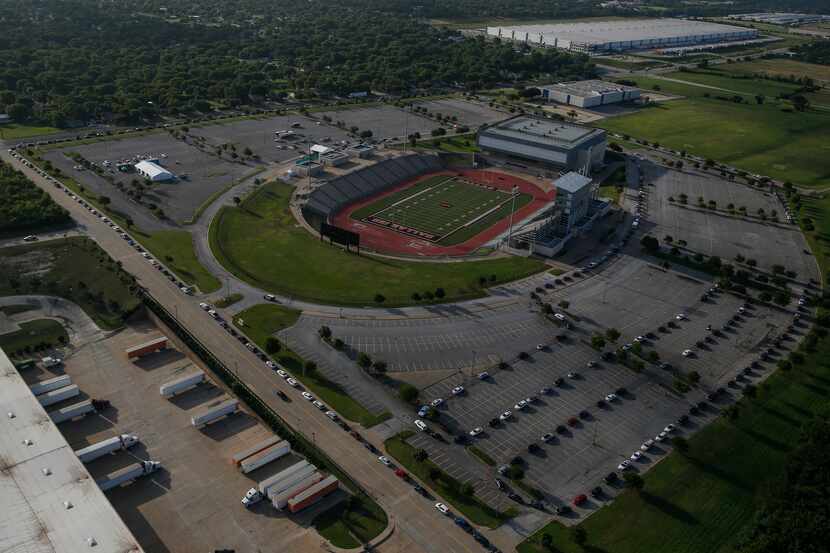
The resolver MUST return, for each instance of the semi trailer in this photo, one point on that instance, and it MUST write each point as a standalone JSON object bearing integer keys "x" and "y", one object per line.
{"x": 264, "y": 457}
{"x": 181, "y": 384}
{"x": 56, "y": 396}
{"x": 212, "y": 414}
{"x": 127, "y": 475}
{"x": 292, "y": 480}
{"x": 313, "y": 494}
{"x": 268, "y": 482}
{"x": 151, "y": 346}
{"x": 245, "y": 453}
{"x": 105, "y": 447}
{"x": 52, "y": 384}
{"x": 280, "y": 500}
{"x": 71, "y": 412}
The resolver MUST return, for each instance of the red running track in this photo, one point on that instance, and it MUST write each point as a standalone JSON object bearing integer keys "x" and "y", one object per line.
{"x": 389, "y": 241}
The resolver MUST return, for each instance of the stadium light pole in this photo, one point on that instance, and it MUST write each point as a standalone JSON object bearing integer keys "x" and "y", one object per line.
{"x": 512, "y": 211}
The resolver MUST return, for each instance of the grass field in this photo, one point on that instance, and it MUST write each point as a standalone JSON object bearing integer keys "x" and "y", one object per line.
{"x": 762, "y": 139}
{"x": 445, "y": 210}
{"x": 740, "y": 83}
{"x": 351, "y": 523}
{"x": 702, "y": 501}
{"x": 261, "y": 242}
{"x": 784, "y": 68}
{"x": 33, "y": 334}
{"x": 175, "y": 248}
{"x": 14, "y": 131}
{"x": 264, "y": 320}
{"x": 72, "y": 268}
{"x": 445, "y": 486}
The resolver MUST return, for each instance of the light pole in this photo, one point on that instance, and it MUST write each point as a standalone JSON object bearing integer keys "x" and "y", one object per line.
{"x": 512, "y": 211}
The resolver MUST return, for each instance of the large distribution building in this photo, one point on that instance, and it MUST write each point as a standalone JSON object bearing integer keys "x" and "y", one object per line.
{"x": 597, "y": 37}
{"x": 564, "y": 145}
{"x": 588, "y": 94}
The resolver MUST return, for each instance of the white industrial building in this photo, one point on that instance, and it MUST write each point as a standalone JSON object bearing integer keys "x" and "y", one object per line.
{"x": 549, "y": 141}
{"x": 49, "y": 503}
{"x": 588, "y": 94}
{"x": 597, "y": 37}
{"x": 152, "y": 171}
{"x": 779, "y": 18}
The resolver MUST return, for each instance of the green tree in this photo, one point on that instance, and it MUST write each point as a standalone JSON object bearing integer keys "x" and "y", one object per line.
{"x": 272, "y": 345}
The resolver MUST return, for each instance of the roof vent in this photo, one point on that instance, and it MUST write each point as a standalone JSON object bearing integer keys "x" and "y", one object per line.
{"x": 68, "y": 505}
{"x": 91, "y": 541}
{"x": 11, "y": 415}
{"x": 27, "y": 441}
{"x": 46, "y": 471}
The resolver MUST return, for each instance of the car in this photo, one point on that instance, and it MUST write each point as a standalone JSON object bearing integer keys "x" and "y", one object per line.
{"x": 547, "y": 437}
{"x": 601, "y": 403}
{"x": 458, "y": 390}
{"x": 611, "y": 397}
{"x": 591, "y": 364}
{"x": 332, "y": 415}
{"x": 291, "y": 382}
{"x": 204, "y": 306}
{"x": 636, "y": 455}
{"x": 385, "y": 460}
{"x": 680, "y": 317}
{"x": 461, "y": 523}
{"x": 483, "y": 375}
{"x": 282, "y": 395}
{"x": 436, "y": 402}
{"x": 319, "y": 405}
{"x": 422, "y": 426}
{"x": 270, "y": 297}
{"x": 500, "y": 484}
{"x": 30, "y": 238}
{"x": 563, "y": 510}
{"x": 476, "y": 431}
{"x": 647, "y": 445}
{"x": 506, "y": 415}
{"x": 213, "y": 313}
{"x": 308, "y": 396}
{"x": 640, "y": 339}
{"x": 561, "y": 429}
{"x": 559, "y": 382}
{"x": 684, "y": 419}
{"x": 282, "y": 373}
{"x": 687, "y": 352}
{"x": 580, "y": 499}
{"x": 559, "y": 316}
{"x": 503, "y": 470}
{"x": 573, "y": 374}
{"x": 270, "y": 364}
{"x": 443, "y": 509}
{"x": 540, "y": 347}
{"x": 546, "y": 391}
{"x": 573, "y": 421}
{"x": 669, "y": 428}
{"x": 611, "y": 477}
{"x": 584, "y": 415}
{"x": 515, "y": 497}
{"x": 625, "y": 465}
{"x": 626, "y": 347}
{"x": 521, "y": 405}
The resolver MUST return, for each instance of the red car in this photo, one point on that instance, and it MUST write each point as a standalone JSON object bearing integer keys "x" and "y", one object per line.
{"x": 401, "y": 473}
{"x": 580, "y": 499}
{"x": 573, "y": 421}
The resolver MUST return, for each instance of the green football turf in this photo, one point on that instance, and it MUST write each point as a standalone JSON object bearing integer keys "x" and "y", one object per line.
{"x": 442, "y": 207}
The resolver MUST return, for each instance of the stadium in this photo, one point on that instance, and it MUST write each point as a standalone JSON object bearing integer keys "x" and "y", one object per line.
{"x": 422, "y": 205}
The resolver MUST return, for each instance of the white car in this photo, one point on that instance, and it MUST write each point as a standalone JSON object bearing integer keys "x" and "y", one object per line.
{"x": 625, "y": 465}
{"x": 669, "y": 429}
{"x": 385, "y": 460}
{"x": 458, "y": 390}
{"x": 443, "y": 509}
{"x": 270, "y": 364}
{"x": 204, "y": 306}
{"x": 291, "y": 382}
{"x": 547, "y": 437}
{"x": 213, "y": 313}
{"x": 636, "y": 455}
{"x": 270, "y": 297}
{"x": 540, "y": 347}
{"x": 145, "y": 255}
{"x": 610, "y": 397}
{"x": 30, "y": 238}
{"x": 680, "y": 316}
{"x": 639, "y": 339}
{"x": 282, "y": 373}
{"x": 332, "y": 415}
{"x": 319, "y": 405}
{"x": 308, "y": 396}
{"x": 506, "y": 415}
{"x": 646, "y": 445}
{"x": 687, "y": 352}
{"x": 661, "y": 437}
{"x": 559, "y": 316}
{"x": 483, "y": 375}
{"x": 436, "y": 402}
{"x": 422, "y": 426}
{"x": 476, "y": 431}
{"x": 520, "y": 406}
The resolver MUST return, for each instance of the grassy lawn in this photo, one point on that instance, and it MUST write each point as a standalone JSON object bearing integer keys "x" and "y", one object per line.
{"x": 784, "y": 68}
{"x": 352, "y": 522}
{"x": 32, "y": 334}
{"x": 445, "y": 485}
{"x": 818, "y": 209}
{"x": 15, "y": 309}
{"x": 261, "y": 243}
{"x": 14, "y": 131}
{"x": 454, "y": 144}
{"x": 75, "y": 269}
{"x": 227, "y": 301}
{"x": 740, "y": 83}
{"x": 175, "y": 248}
{"x": 486, "y": 459}
{"x": 761, "y": 139}
{"x": 262, "y": 321}
{"x": 703, "y": 501}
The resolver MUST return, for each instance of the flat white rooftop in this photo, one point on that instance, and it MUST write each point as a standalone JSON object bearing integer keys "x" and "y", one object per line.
{"x": 546, "y": 131}
{"x": 48, "y": 501}
{"x": 600, "y": 32}
{"x": 587, "y": 89}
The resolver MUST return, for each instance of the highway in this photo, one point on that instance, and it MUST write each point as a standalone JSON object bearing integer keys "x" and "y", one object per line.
{"x": 418, "y": 525}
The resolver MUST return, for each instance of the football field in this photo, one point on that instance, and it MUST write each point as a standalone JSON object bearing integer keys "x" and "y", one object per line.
{"x": 442, "y": 209}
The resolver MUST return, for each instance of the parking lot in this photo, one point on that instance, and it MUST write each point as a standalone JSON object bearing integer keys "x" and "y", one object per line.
{"x": 471, "y": 114}
{"x": 384, "y": 121}
{"x": 200, "y": 175}
{"x": 716, "y": 233}
{"x": 193, "y": 502}
{"x": 258, "y": 135}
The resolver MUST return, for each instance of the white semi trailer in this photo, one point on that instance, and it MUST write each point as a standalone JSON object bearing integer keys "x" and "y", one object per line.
{"x": 52, "y": 384}
{"x": 289, "y": 481}
{"x": 56, "y": 396}
{"x": 105, "y": 447}
{"x": 280, "y": 500}
{"x": 268, "y": 482}
{"x": 212, "y": 414}
{"x": 71, "y": 412}
{"x": 127, "y": 474}
{"x": 265, "y": 456}
{"x": 181, "y": 384}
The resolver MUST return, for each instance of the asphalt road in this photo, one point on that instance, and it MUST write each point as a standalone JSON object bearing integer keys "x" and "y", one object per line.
{"x": 418, "y": 523}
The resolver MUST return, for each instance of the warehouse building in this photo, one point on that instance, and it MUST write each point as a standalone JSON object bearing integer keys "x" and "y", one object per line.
{"x": 588, "y": 94}
{"x": 550, "y": 142}
{"x": 778, "y": 18}
{"x": 152, "y": 171}
{"x": 50, "y": 502}
{"x": 598, "y": 37}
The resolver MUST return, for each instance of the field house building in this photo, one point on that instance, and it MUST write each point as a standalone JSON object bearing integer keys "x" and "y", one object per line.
{"x": 564, "y": 145}
{"x": 599, "y": 37}
{"x": 589, "y": 94}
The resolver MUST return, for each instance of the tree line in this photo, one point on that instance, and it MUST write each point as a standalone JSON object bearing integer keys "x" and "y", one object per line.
{"x": 24, "y": 206}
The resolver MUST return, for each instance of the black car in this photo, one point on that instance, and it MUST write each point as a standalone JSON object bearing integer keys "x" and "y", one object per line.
{"x": 516, "y": 497}
{"x": 532, "y": 448}
{"x": 561, "y": 429}
{"x": 601, "y": 404}
{"x": 282, "y": 395}
{"x": 596, "y": 492}
{"x": 538, "y": 504}
{"x": 584, "y": 415}
{"x": 611, "y": 477}
{"x": 559, "y": 381}
{"x": 370, "y": 447}
{"x": 621, "y": 391}
{"x": 683, "y": 419}
{"x": 563, "y": 510}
